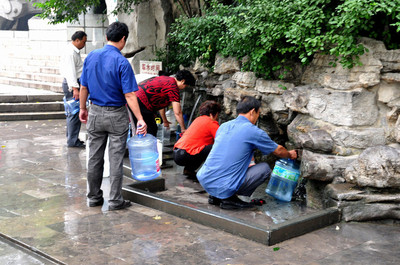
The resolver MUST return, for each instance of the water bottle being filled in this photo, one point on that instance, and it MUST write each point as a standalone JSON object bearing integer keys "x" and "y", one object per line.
{"x": 283, "y": 179}
{"x": 167, "y": 135}
{"x": 171, "y": 118}
{"x": 144, "y": 157}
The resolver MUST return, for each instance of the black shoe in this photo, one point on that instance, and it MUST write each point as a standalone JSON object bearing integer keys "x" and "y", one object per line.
{"x": 234, "y": 202}
{"x": 192, "y": 178}
{"x": 123, "y": 205}
{"x": 214, "y": 200}
{"x": 78, "y": 145}
{"x": 190, "y": 175}
{"x": 94, "y": 204}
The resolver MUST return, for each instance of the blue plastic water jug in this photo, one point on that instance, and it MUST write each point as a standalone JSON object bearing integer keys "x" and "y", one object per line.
{"x": 143, "y": 156}
{"x": 283, "y": 179}
{"x": 71, "y": 106}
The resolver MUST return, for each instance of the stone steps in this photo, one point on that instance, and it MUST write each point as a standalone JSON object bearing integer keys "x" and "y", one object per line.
{"x": 55, "y": 87}
{"x": 31, "y": 107}
{"x": 40, "y": 77}
{"x": 30, "y": 98}
{"x": 32, "y": 116}
{"x": 22, "y": 66}
{"x": 53, "y": 62}
{"x": 31, "y": 69}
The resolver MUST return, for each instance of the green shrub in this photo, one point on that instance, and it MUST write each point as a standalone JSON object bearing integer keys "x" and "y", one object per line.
{"x": 272, "y": 32}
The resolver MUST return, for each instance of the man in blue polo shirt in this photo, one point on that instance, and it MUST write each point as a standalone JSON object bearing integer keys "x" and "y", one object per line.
{"x": 108, "y": 78}
{"x": 226, "y": 172}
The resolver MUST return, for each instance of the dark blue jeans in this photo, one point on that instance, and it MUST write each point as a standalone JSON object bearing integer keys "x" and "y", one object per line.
{"x": 73, "y": 122}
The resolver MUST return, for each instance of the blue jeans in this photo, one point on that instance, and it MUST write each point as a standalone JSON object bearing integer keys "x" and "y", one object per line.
{"x": 103, "y": 123}
{"x": 73, "y": 122}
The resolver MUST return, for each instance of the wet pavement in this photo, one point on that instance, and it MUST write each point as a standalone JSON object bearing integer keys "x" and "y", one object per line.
{"x": 43, "y": 206}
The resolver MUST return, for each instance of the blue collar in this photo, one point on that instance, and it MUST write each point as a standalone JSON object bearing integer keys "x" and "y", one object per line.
{"x": 110, "y": 47}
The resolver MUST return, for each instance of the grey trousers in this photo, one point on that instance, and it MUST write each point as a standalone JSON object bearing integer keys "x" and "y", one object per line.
{"x": 255, "y": 176}
{"x": 73, "y": 122}
{"x": 103, "y": 123}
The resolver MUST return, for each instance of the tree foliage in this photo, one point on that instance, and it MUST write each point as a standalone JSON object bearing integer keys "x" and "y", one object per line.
{"x": 271, "y": 32}
{"x": 60, "y": 11}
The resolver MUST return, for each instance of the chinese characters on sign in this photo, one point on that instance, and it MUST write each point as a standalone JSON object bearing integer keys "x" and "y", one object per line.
{"x": 150, "y": 67}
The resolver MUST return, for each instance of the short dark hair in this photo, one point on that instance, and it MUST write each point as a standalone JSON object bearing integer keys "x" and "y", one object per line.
{"x": 187, "y": 76}
{"x": 209, "y": 107}
{"x": 246, "y": 104}
{"x": 78, "y": 35}
{"x": 116, "y": 31}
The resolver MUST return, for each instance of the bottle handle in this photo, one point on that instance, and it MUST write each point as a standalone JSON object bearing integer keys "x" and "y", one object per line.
{"x": 140, "y": 135}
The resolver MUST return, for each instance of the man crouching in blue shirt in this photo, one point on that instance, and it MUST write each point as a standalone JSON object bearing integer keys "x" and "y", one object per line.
{"x": 226, "y": 172}
{"x": 108, "y": 79}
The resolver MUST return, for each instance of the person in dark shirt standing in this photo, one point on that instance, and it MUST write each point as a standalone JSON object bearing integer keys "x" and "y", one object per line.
{"x": 109, "y": 80}
{"x": 156, "y": 93}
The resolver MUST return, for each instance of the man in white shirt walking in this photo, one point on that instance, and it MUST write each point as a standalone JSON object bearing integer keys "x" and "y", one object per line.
{"x": 71, "y": 69}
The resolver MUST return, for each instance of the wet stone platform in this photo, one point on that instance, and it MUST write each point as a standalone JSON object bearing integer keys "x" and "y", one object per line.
{"x": 273, "y": 222}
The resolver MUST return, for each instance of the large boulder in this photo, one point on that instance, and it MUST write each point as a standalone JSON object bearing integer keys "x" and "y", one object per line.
{"x": 397, "y": 130}
{"x": 272, "y": 86}
{"x": 323, "y": 167}
{"x": 390, "y": 59}
{"x": 323, "y": 137}
{"x": 322, "y": 72}
{"x": 276, "y": 105}
{"x": 359, "y": 138}
{"x": 362, "y": 211}
{"x": 245, "y": 79}
{"x": 233, "y": 95}
{"x": 297, "y": 98}
{"x": 224, "y": 65}
{"x": 389, "y": 90}
{"x": 377, "y": 166}
{"x": 360, "y": 204}
{"x": 348, "y": 108}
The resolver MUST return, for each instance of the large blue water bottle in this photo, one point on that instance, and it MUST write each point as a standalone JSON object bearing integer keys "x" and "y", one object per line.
{"x": 71, "y": 106}
{"x": 143, "y": 156}
{"x": 283, "y": 179}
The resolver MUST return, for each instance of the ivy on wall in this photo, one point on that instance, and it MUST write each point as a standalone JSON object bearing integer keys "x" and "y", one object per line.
{"x": 271, "y": 32}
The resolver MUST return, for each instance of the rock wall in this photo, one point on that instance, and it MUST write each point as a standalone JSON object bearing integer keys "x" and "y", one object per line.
{"x": 346, "y": 122}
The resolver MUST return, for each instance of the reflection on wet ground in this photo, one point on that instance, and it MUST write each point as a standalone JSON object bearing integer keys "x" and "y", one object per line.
{"x": 11, "y": 253}
{"x": 43, "y": 205}
{"x": 187, "y": 192}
